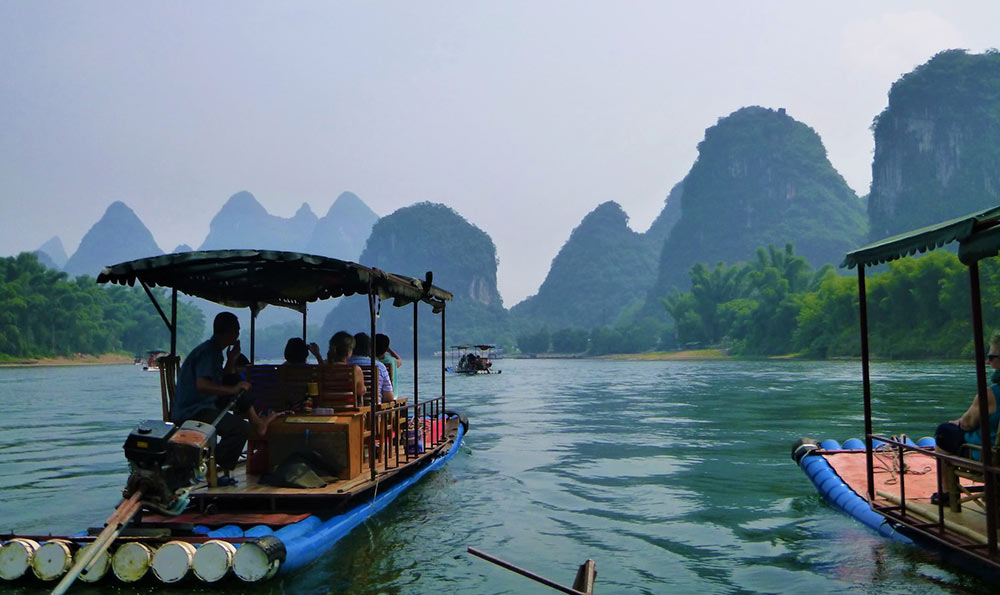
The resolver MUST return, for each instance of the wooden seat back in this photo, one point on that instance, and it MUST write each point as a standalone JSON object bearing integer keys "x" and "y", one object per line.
{"x": 336, "y": 387}
{"x": 169, "y": 368}
{"x": 279, "y": 388}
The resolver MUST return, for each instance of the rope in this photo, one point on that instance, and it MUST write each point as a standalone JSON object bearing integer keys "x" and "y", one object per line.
{"x": 887, "y": 460}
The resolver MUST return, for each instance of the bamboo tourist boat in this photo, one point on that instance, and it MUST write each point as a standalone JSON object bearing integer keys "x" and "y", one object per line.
{"x": 900, "y": 504}
{"x": 176, "y": 522}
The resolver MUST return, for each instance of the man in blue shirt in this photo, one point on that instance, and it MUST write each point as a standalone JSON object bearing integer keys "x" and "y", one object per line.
{"x": 362, "y": 357}
{"x": 200, "y": 384}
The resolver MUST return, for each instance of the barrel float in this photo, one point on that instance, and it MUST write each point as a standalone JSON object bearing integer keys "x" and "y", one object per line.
{"x": 213, "y": 560}
{"x": 98, "y": 566}
{"x": 53, "y": 559}
{"x": 173, "y": 560}
{"x": 802, "y": 447}
{"x": 15, "y": 558}
{"x": 853, "y": 444}
{"x": 131, "y": 562}
{"x": 259, "y": 559}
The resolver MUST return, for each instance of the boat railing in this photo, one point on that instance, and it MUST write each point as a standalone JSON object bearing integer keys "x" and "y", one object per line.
{"x": 406, "y": 431}
{"x": 940, "y": 530}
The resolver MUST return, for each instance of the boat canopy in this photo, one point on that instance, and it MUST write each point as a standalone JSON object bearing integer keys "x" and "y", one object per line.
{"x": 256, "y": 278}
{"x": 978, "y": 236}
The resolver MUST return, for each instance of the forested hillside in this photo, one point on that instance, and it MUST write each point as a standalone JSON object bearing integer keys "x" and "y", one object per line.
{"x": 937, "y": 144}
{"x": 761, "y": 178}
{"x": 601, "y": 269}
{"x": 431, "y": 237}
{"x": 44, "y": 313}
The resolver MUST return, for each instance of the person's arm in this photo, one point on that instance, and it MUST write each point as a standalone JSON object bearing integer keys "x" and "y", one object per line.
{"x": 314, "y": 349}
{"x": 399, "y": 360}
{"x": 385, "y": 385}
{"x": 359, "y": 381}
{"x": 208, "y": 386}
{"x": 232, "y": 354}
{"x": 970, "y": 419}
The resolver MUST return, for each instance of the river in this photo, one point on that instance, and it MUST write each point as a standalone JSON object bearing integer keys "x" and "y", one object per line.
{"x": 674, "y": 476}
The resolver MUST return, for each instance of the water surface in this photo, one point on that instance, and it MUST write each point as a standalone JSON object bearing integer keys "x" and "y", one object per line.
{"x": 674, "y": 476}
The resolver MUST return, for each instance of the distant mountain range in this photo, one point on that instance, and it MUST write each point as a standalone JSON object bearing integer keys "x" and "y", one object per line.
{"x": 761, "y": 178}
{"x": 118, "y": 236}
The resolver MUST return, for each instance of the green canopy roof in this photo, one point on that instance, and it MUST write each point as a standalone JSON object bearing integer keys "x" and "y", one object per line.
{"x": 256, "y": 278}
{"x": 976, "y": 234}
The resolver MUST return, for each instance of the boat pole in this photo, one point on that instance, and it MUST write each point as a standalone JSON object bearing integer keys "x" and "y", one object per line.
{"x": 116, "y": 523}
{"x": 866, "y": 379}
{"x": 527, "y": 573}
{"x": 984, "y": 414}
{"x": 375, "y": 397}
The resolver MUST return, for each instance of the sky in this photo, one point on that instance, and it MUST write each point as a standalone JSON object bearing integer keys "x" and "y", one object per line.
{"x": 523, "y": 116}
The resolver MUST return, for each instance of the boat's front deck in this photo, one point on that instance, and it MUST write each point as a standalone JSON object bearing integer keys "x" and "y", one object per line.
{"x": 250, "y": 495}
{"x": 908, "y": 495}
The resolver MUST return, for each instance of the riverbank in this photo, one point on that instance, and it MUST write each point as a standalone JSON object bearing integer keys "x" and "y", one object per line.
{"x": 690, "y": 354}
{"x": 77, "y": 360}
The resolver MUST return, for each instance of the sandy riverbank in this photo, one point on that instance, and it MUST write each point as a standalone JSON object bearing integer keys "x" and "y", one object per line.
{"x": 691, "y": 354}
{"x": 79, "y": 360}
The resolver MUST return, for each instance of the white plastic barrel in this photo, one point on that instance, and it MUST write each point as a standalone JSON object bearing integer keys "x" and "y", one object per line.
{"x": 213, "y": 560}
{"x": 53, "y": 559}
{"x": 173, "y": 560}
{"x": 15, "y": 557}
{"x": 131, "y": 562}
{"x": 98, "y": 566}
{"x": 259, "y": 559}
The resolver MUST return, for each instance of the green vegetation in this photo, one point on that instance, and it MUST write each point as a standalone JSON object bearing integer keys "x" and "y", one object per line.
{"x": 776, "y": 305}
{"x": 44, "y": 313}
{"x": 761, "y": 178}
{"x": 603, "y": 266}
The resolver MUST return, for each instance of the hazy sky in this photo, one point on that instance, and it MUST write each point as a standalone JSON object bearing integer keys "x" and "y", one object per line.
{"x": 522, "y": 116}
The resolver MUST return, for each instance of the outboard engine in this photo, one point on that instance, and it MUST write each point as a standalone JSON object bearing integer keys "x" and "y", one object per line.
{"x": 166, "y": 460}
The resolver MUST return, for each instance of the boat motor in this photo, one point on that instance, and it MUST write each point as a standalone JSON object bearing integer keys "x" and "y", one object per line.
{"x": 165, "y": 460}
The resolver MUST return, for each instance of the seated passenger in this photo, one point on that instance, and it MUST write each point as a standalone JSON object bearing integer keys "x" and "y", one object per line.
{"x": 362, "y": 357}
{"x": 200, "y": 383}
{"x": 952, "y": 436}
{"x": 388, "y": 357}
{"x": 341, "y": 348}
{"x": 297, "y": 352}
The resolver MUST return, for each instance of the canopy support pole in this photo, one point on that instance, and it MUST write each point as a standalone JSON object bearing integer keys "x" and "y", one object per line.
{"x": 304, "y": 338}
{"x": 416, "y": 393}
{"x": 173, "y": 322}
{"x": 253, "y": 333}
{"x": 442, "y": 357}
{"x": 866, "y": 379}
{"x": 156, "y": 304}
{"x": 375, "y": 397}
{"x": 978, "y": 342}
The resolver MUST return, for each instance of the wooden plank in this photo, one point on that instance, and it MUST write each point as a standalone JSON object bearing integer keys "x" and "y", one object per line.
{"x": 244, "y": 519}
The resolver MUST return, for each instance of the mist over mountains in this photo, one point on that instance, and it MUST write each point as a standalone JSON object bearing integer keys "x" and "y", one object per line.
{"x": 761, "y": 178}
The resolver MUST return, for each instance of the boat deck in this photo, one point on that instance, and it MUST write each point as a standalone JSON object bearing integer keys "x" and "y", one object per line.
{"x": 251, "y": 496}
{"x": 918, "y": 484}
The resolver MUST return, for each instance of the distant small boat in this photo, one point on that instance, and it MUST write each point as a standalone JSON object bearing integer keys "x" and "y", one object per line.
{"x": 152, "y": 362}
{"x": 471, "y": 363}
